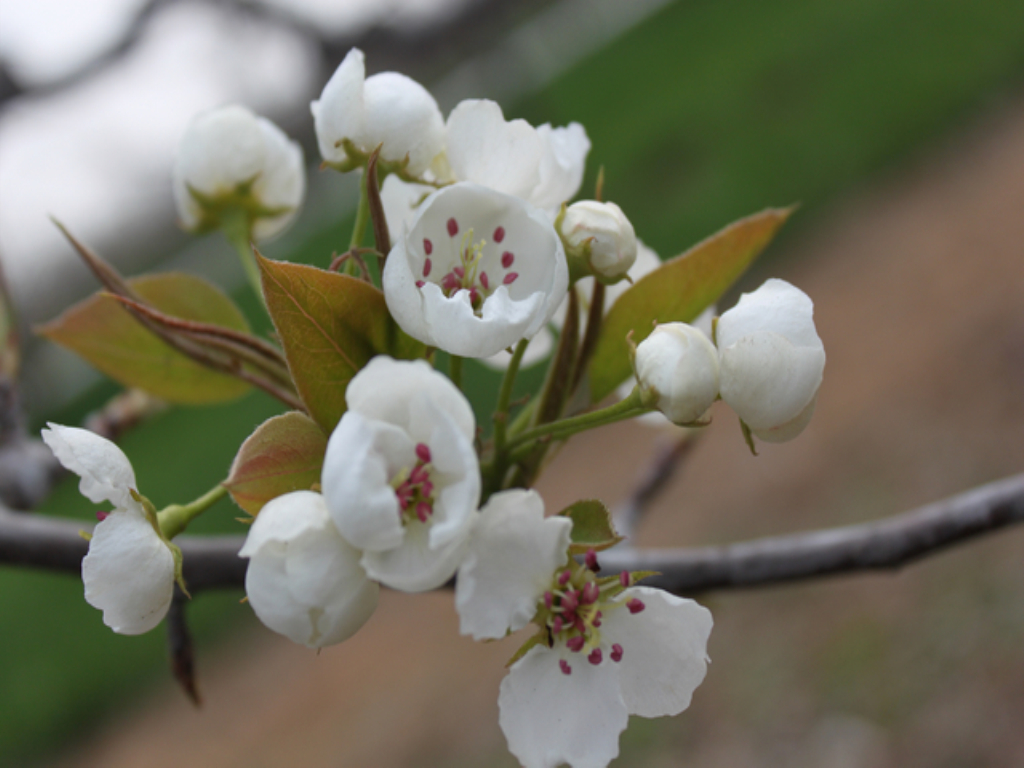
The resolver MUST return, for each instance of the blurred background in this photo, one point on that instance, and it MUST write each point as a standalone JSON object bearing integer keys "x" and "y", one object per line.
{"x": 899, "y": 128}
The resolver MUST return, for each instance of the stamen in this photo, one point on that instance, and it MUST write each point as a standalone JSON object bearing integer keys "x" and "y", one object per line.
{"x": 624, "y": 578}
{"x": 575, "y": 643}
{"x": 590, "y": 592}
{"x": 635, "y": 605}
{"x": 506, "y": 259}
{"x": 423, "y": 510}
{"x": 570, "y": 602}
{"x": 101, "y": 515}
{"x": 484, "y": 281}
{"x": 499, "y": 234}
{"x": 420, "y": 283}
{"x": 510, "y": 278}
{"x": 548, "y": 600}
{"x": 423, "y": 452}
{"x": 428, "y": 247}
{"x": 460, "y": 271}
{"x": 564, "y": 576}
{"x": 616, "y": 652}
{"x": 556, "y": 625}
{"x": 591, "y": 560}
{"x": 453, "y": 227}
{"x": 595, "y": 656}
{"x": 427, "y": 264}
{"x": 564, "y": 666}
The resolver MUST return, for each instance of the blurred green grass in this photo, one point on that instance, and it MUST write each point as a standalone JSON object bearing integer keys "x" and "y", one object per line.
{"x": 703, "y": 113}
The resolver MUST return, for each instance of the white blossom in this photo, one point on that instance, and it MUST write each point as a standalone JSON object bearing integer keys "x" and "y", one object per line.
{"x": 231, "y": 157}
{"x": 129, "y": 570}
{"x": 772, "y": 360}
{"x": 401, "y": 477}
{"x": 601, "y": 235}
{"x": 677, "y": 370}
{"x": 388, "y": 108}
{"x": 304, "y": 580}
{"x": 606, "y": 649}
{"x": 476, "y": 271}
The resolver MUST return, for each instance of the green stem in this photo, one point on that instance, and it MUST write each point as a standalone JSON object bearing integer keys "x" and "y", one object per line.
{"x": 505, "y": 396}
{"x": 558, "y": 430}
{"x": 362, "y": 216}
{"x": 238, "y": 228}
{"x": 455, "y": 370}
{"x": 175, "y": 518}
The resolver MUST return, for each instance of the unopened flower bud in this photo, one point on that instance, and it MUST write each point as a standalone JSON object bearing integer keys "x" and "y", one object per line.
{"x": 230, "y": 159}
{"x": 772, "y": 360}
{"x": 677, "y": 369}
{"x": 601, "y": 235}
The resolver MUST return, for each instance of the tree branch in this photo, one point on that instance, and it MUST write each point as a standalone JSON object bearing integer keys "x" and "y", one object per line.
{"x": 212, "y": 562}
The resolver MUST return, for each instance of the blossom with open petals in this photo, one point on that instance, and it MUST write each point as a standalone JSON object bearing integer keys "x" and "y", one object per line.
{"x": 772, "y": 360}
{"x": 229, "y": 157}
{"x": 605, "y": 649}
{"x": 304, "y": 580}
{"x": 401, "y": 477}
{"x": 476, "y": 272}
{"x": 388, "y": 108}
{"x": 129, "y": 570}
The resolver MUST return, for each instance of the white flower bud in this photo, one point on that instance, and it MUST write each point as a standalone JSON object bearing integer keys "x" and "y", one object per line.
{"x": 601, "y": 234}
{"x": 677, "y": 369}
{"x": 772, "y": 360}
{"x": 229, "y": 157}
{"x": 387, "y": 108}
{"x": 304, "y": 580}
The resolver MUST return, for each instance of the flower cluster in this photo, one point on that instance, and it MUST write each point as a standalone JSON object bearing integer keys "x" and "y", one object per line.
{"x": 381, "y": 476}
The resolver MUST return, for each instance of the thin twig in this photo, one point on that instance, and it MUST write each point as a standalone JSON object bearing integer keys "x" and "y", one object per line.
{"x": 665, "y": 464}
{"x": 212, "y": 562}
{"x": 180, "y": 649}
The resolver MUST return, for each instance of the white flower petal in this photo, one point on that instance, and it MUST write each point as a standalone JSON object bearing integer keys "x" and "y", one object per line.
{"x": 677, "y": 365}
{"x": 551, "y": 718}
{"x": 562, "y": 164}
{"x": 362, "y": 456}
{"x": 400, "y": 200}
{"x": 128, "y": 572}
{"x": 106, "y": 473}
{"x": 664, "y": 651}
{"x": 415, "y": 566}
{"x": 767, "y": 380}
{"x": 792, "y": 428}
{"x": 776, "y": 306}
{"x": 339, "y": 113}
{"x": 483, "y": 148}
{"x": 403, "y": 116}
{"x": 282, "y": 180}
{"x": 513, "y": 551}
{"x": 303, "y": 580}
{"x": 385, "y": 387}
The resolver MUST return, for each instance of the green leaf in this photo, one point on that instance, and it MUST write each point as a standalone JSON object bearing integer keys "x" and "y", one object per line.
{"x": 284, "y": 454}
{"x": 330, "y": 325}
{"x": 591, "y": 527}
{"x": 678, "y": 291}
{"x": 110, "y": 338}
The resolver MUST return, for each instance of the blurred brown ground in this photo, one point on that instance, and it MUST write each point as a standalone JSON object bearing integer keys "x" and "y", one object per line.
{"x": 918, "y": 282}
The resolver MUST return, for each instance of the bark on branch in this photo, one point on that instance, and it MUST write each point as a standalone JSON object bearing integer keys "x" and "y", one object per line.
{"x": 213, "y": 562}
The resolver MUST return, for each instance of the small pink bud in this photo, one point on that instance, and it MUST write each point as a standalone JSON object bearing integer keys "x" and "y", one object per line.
{"x": 556, "y": 625}
{"x": 564, "y": 666}
{"x": 616, "y": 652}
{"x": 427, "y": 265}
{"x": 499, "y": 234}
{"x": 564, "y": 576}
{"x": 591, "y": 560}
{"x": 624, "y": 579}
{"x": 453, "y": 227}
{"x": 590, "y": 592}
{"x": 510, "y": 278}
{"x": 484, "y": 281}
{"x": 101, "y": 515}
{"x": 595, "y": 656}
{"x": 423, "y": 452}
{"x": 571, "y": 601}
{"x": 597, "y": 619}
{"x": 428, "y": 247}
{"x": 635, "y": 605}
{"x": 426, "y": 488}
{"x": 507, "y": 259}
{"x": 420, "y": 283}
{"x": 575, "y": 643}
{"x": 423, "y": 510}
{"x": 460, "y": 271}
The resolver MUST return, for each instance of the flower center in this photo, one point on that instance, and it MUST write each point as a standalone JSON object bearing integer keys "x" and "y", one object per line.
{"x": 575, "y": 606}
{"x": 468, "y": 274}
{"x": 414, "y": 488}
